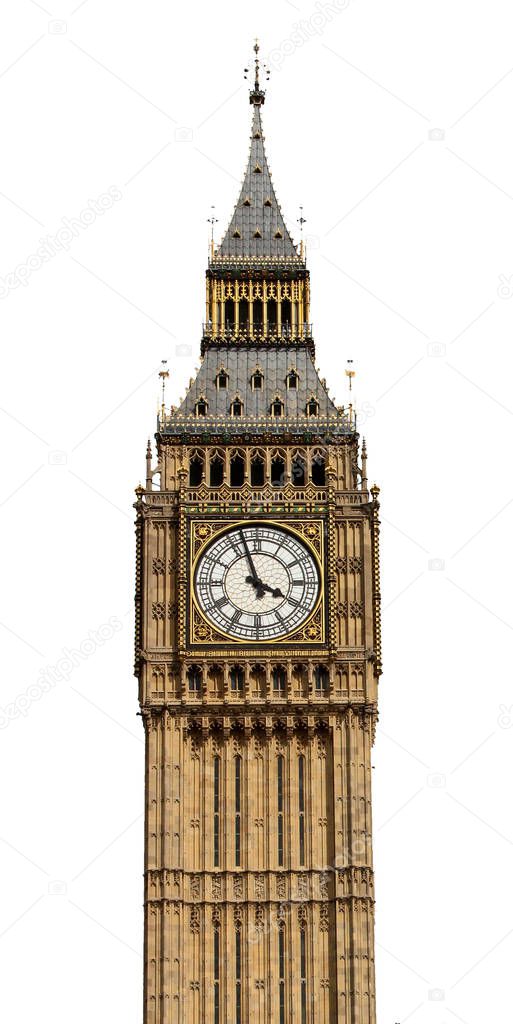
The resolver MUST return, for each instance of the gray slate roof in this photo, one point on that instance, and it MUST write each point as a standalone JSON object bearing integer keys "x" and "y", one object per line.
{"x": 275, "y": 364}
{"x": 257, "y": 217}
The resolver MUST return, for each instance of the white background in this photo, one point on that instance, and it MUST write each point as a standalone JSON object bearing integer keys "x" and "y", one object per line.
{"x": 391, "y": 124}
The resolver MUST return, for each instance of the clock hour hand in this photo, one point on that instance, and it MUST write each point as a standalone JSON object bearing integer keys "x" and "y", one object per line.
{"x": 275, "y": 591}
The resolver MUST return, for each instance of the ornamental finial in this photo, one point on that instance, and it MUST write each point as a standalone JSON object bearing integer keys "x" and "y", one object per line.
{"x": 257, "y": 95}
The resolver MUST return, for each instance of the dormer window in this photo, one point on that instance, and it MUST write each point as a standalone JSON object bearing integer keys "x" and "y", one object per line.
{"x": 312, "y": 408}
{"x": 277, "y": 408}
{"x": 236, "y": 408}
{"x": 268, "y": 202}
{"x": 278, "y": 234}
{"x": 257, "y": 233}
{"x": 201, "y": 407}
{"x": 222, "y": 380}
{"x": 257, "y": 380}
{"x": 247, "y": 201}
{"x": 236, "y": 233}
{"x": 257, "y": 169}
{"x": 292, "y": 380}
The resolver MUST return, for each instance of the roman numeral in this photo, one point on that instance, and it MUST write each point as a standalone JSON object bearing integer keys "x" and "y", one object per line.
{"x": 221, "y": 602}
{"x": 236, "y": 617}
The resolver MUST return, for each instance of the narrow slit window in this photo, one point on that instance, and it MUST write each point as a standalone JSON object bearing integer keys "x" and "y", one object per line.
{"x": 216, "y": 977}
{"x": 301, "y": 788}
{"x": 281, "y": 761}
{"x": 281, "y": 971}
{"x": 238, "y": 977}
{"x": 238, "y": 765}
{"x": 303, "y": 974}
{"x": 217, "y": 773}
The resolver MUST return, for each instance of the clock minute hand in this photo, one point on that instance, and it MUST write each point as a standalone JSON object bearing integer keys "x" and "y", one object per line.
{"x": 253, "y": 578}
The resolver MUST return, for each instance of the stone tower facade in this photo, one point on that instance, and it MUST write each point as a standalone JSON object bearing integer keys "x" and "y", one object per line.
{"x": 258, "y": 658}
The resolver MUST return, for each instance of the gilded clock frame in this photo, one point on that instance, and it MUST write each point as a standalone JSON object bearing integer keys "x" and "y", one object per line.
{"x": 201, "y": 631}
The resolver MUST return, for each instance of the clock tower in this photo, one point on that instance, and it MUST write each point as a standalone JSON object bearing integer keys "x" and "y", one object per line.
{"x": 258, "y": 658}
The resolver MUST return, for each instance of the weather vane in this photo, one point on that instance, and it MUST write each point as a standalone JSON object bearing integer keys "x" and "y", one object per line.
{"x": 256, "y": 88}
{"x": 301, "y": 220}
{"x": 350, "y": 373}
{"x": 212, "y": 220}
{"x": 163, "y": 374}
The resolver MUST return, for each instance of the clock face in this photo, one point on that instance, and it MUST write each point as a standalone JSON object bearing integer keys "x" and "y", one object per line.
{"x": 257, "y": 582}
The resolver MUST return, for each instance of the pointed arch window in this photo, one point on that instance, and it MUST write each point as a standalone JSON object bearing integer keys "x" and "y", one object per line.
{"x": 321, "y": 678}
{"x": 257, "y": 469}
{"x": 277, "y": 408}
{"x": 237, "y": 469}
{"x": 279, "y": 677}
{"x": 277, "y": 470}
{"x": 216, "y": 470}
{"x": 237, "y": 678}
{"x": 237, "y": 407}
{"x": 319, "y": 469}
{"x": 292, "y": 380}
{"x": 298, "y": 469}
{"x": 222, "y": 379}
{"x": 257, "y": 380}
{"x": 194, "y": 678}
{"x": 195, "y": 469}
{"x": 201, "y": 407}
{"x": 312, "y": 407}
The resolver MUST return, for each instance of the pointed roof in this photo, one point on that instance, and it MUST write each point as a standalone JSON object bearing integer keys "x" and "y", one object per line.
{"x": 257, "y": 227}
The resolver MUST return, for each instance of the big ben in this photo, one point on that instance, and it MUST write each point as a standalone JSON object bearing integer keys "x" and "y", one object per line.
{"x": 258, "y": 658}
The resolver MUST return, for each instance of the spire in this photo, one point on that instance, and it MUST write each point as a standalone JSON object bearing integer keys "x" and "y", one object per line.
{"x": 257, "y": 227}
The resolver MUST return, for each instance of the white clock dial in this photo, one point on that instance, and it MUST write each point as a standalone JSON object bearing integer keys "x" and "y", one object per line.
{"x": 257, "y": 582}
